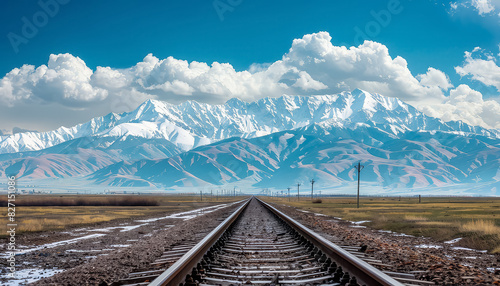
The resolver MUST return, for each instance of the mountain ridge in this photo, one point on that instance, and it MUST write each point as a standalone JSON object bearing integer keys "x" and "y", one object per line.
{"x": 413, "y": 160}
{"x": 191, "y": 124}
{"x": 261, "y": 144}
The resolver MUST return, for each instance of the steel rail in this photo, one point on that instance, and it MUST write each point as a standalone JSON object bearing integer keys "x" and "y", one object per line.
{"x": 365, "y": 273}
{"x": 176, "y": 274}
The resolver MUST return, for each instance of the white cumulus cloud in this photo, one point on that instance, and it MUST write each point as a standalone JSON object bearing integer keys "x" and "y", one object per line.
{"x": 368, "y": 66}
{"x": 65, "y": 79}
{"x": 467, "y": 105}
{"x": 483, "y": 6}
{"x": 435, "y": 78}
{"x": 312, "y": 65}
{"x": 483, "y": 70}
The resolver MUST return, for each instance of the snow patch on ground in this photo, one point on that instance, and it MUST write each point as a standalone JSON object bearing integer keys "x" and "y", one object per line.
{"x": 360, "y": 222}
{"x": 25, "y": 276}
{"x": 453, "y": 240}
{"x": 428, "y": 246}
{"x": 58, "y": 243}
{"x": 469, "y": 249}
{"x": 403, "y": 234}
{"x": 123, "y": 228}
{"x": 318, "y": 214}
{"x": 83, "y": 251}
{"x": 190, "y": 214}
{"x": 29, "y": 275}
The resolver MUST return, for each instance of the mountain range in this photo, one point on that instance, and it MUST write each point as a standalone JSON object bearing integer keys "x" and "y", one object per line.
{"x": 263, "y": 144}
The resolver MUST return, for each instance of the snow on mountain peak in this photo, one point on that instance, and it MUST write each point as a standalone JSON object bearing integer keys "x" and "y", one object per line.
{"x": 192, "y": 124}
{"x": 235, "y": 103}
{"x": 150, "y": 109}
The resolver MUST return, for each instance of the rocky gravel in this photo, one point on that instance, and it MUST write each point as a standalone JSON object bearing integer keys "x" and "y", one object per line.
{"x": 113, "y": 250}
{"x": 121, "y": 249}
{"x": 440, "y": 262}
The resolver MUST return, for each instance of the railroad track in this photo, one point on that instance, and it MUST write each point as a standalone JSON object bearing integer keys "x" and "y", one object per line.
{"x": 259, "y": 245}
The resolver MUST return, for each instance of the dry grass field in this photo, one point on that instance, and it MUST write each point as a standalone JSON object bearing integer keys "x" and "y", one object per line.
{"x": 476, "y": 220}
{"x": 36, "y": 213}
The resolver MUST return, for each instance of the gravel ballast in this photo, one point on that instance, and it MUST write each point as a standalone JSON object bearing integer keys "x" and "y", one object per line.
{"x": 107, "y": 258}
{"x": 439, "y": 262}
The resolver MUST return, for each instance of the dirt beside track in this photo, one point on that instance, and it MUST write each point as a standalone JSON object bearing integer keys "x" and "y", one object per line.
{"x": 104, "y": 259}
{"x": 434, "y": 261}
{"x": 108, "y": 258}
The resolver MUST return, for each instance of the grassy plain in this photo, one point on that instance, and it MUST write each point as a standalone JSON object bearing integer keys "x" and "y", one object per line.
{"x": 475, "y": 219}
{"x": 41, "y": 215}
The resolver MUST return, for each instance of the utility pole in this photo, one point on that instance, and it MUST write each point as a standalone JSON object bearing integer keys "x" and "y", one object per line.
{"x": 298, "y": 191}
{"x": 288, "y": 193}
{"x": 201, "y": 195}
{"x": 312, "y": 189}
{"x": 234, "y": 192}
{"x": 359, "y": 167}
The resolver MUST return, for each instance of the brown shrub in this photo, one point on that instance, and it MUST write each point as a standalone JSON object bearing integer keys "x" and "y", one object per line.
{"x": 82, "y": 201}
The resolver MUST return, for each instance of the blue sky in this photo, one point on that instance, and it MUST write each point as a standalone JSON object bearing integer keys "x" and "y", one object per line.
{"x": 121, "y": 34}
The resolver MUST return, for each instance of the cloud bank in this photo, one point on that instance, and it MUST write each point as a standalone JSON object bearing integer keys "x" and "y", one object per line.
{"x": 481, "y": 7}
{"x": 313, "y": 65}
{"x": 481, "y": 67}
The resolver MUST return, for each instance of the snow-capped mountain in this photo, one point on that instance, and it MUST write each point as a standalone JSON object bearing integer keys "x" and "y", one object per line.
{"x": 193, "y": 124}
{"x": 261, "y": 143}
{"x": 82, "y": 156}
{"x": 413, "y": 159}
